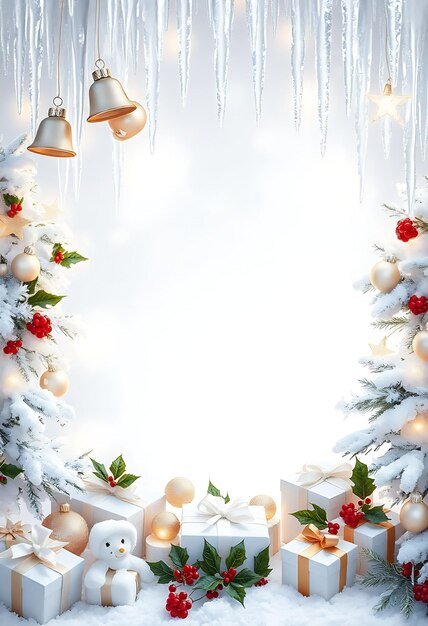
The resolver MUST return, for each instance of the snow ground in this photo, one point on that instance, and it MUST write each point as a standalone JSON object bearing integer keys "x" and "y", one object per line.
{"x": 273, "y": 605}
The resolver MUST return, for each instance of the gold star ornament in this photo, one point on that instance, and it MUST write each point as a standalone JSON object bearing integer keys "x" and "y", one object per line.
{"x": 13, "y": 226}
{"x": 387, "y": 104}
{"x": 380, "y": 349}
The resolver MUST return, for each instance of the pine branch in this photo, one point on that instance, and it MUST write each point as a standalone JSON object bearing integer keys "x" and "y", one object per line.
{"x": 393, "y": 324}
{"x": 381, "y": 399}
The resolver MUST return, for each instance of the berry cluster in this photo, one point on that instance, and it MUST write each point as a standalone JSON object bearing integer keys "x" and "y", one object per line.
{"x": 40, "y": 325}
{"x": 406, "y": 570}
{"x": 421, "y": 592}
{"x": 352, "y": 516}
{"x": 188, "y": 575}
{"x": 12, "y": 347}
{"x": 214, "y": 594}
{"x": 229, "y": 575}
{"x": 333, "y": 528}
{"x": 178, "y": 604}
{"x": 262, "y": 582}
{"x": 112, "y": 481}
{"x": 14, "y": 209}
{"x": 406, "y": 230}
{"x": 59, "y": 257}
{"x": 418, "y": 305}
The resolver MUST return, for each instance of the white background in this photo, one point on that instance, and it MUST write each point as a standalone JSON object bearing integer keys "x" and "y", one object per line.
{"x": 221, "y": 323}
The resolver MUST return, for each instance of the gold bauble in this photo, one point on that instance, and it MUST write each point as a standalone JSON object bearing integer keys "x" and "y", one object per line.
{"x": 414, "y": 514}
{"x": 66, "y": 525}
{"x": 55, "y": 381}
{"x": 127, "y": 126}
{"x": 25, "y": 266}
{"x": 3, "y": 269}
{"x": 384, "y": 276}
{"x": 420, "y": 344}
{"x": 416, "y": 430}
{"x": 165, "y": 526}
{"x": 179, "y": 491}
{"x": 267, "y": 502}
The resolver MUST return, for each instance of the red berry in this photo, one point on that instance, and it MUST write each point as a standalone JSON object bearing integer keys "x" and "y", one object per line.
{"x": 226, "y": 580}
{"x": 215, "y": 594}
{"x": 188, "y": 604}
{"x": 367, "y": 500}
{"x": 174, "y": 613}
{"x": 172, "y": 588}
{"x": 232, "y": 572}
{"x": 182, "y": 595}
{"x": 220, "y": 587}
{"x": 189, "y": 580}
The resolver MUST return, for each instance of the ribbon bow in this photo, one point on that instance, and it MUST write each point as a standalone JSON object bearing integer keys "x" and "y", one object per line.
{"x": 38, "y": 544}
{"x": 236, "y": 511}
{"x": 14, "y": 532}
{"x": 312, "y": 475}
{"x": 312, "y": 534}
{"x": 127, "y": 495}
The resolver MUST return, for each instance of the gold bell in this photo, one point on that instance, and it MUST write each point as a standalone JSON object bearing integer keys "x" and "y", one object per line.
{"x": 53, "y": 137}
{"x": 107, "y": 98}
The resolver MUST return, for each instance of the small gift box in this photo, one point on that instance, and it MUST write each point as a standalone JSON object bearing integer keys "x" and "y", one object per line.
{"x": 317, "y": 563}
{"x": 274, "y": 529}
{"x": 224, "y": 525}
{"x": 329, "y": 489}
{"x": 379, "y": 538}
{"x": 38, "y": 579}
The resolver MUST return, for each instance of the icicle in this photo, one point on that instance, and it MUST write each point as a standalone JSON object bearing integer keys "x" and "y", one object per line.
{"x": 383, "y": 76}
{"x": 274, "y": 14}
{"x": 19, "y": 50}
{"x": 394, "y": 9}
{"x": 35, "y": 10}
{"x": 348, "y": 33}
{"x": 184, "y": 30}
{"x": 117, "y": 172}
{"x": 257, "y": 19}
{"x": 131, "y": 34}
{"x": 79, "y": 38}
{"x": 50, "y": 28}
{"x": 6, "y": 33}
{"x": 221, "y": 20}
{"x": 323, "y": 62}
{"x": 154, "y": 15}
{"x": 297, "y": 57}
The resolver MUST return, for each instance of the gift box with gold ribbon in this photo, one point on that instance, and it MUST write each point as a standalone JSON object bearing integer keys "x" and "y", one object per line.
{"x": 329, "y": 488}
{"x": 38, "y": 578}
{"x": 316, "y": 563}
{"x": 380, "y": 538}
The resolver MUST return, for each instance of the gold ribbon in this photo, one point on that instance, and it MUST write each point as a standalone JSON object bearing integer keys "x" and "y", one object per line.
{"x": 26, "y": 564}
{"x": 349, "y": 535}
{"x": 14, "y": 532}
{"x": 318, "y": 541}
{"x": 106, "y": 589}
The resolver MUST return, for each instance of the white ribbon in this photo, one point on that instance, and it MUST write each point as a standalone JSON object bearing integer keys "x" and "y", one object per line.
{"x": 39, "y": 544}
{"x": 312, "y": 475}
{"x": 126, "y": 495}
{"x": 236, "y": 511}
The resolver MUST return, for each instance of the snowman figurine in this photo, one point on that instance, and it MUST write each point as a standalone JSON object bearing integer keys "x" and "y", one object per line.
{"x": 113, "y": 579}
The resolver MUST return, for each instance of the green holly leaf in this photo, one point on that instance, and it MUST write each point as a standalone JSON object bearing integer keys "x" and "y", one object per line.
{"x": 118, "y": 467}
{"x": 261, "y": 563}
{"x": 44, "y": 300}
{"x": 375, "y": 515}
{"x": 316, "y": 516}
{"x": 57, "y": 247}
{"x": 246, "y": 578}
{"x": 363, "y": 485}
{"x": 236, "y": 592}
{"x": 208, "y": 583}
{"x": 127, "y": 480}
{"x": 31, "y": 286}
{"x": 211, "y": 559}
{"x": 214, "y": 491}
{"x": 71, "y": 258}
{"x": 10, "y": 470}
{"x": 10, "y": 199}
{"x": 161, "y": 569}
{"x": 236, "y": 556}
{"x": 100, "y": 470}
{"x": 179, "y": 556}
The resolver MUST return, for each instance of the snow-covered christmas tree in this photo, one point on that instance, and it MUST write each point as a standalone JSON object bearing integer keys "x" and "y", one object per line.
{"x": 35, "y": 258}
{"x": 394, "y": 395}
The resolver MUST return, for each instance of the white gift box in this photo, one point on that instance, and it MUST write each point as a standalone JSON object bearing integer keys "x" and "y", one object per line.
{"x": 379, "y": 538}
{"x": 294, "y": 497}
{"x": 98, "y": 507}
{"x": 223, "y": 534}
{"x": 40, "y": 593}
{"x": 323, "y": 574}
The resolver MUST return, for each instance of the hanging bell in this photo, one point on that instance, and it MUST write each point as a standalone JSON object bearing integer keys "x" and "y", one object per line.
{"x": 53, "y": 137}
{"x": 127, "y": 126}
{"x": 107, "y": 98}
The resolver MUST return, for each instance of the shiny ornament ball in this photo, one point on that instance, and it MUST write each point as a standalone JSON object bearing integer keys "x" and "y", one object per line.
{"x": 165, "y": 526}
{"x": 267, "y": 502}
{"x": 179, "y": 491}
{"x": 127, "y": 126}
{"x": 55, "y": 381}
{"x": 384, "y": 276}
{"x": 66, "y": 525}
{"x": 3, "y": 269}
{"x": 414, "y": 514}
{"x": 420, "y": 344}
{"x": 25, "y": 266}
{"x": 416, "y": 430}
